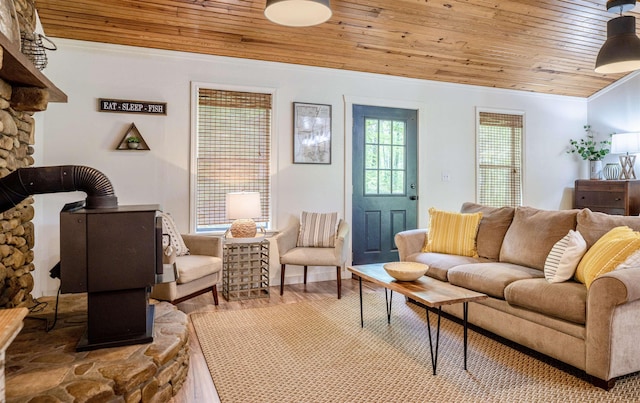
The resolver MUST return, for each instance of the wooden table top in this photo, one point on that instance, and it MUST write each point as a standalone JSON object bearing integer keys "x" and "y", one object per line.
{"x": 426, "y": 290}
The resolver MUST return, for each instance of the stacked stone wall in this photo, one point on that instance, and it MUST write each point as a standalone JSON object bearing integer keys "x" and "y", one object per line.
{"x": 26, "y": 10}
{"x": 16, "y": 226}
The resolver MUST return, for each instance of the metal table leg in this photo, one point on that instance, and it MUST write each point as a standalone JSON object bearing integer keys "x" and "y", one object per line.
{"x": 361, "y": 317}
{"x": 434, "y": 357}
{"x": 465, "y": 309}
{"x": 388, "y": 301}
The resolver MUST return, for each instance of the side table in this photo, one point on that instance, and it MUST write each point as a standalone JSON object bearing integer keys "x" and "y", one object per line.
{"x": 245, "y": 268}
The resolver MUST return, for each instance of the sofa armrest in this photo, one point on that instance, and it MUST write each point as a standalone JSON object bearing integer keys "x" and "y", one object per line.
{"x": 613, "y": 321}
{"x": 287, "y": 238}
{"x": 410, "y": 242}
{"x": 206, "y": 245}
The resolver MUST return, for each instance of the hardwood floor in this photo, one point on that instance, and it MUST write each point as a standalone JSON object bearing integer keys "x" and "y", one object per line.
{"x": 199, "y": 387}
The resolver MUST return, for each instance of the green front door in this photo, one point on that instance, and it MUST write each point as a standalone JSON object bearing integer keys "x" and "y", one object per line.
{"x": 384, "y": 180}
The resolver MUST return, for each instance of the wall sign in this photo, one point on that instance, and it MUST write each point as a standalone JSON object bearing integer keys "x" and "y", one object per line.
{"x": 123, "y": 105}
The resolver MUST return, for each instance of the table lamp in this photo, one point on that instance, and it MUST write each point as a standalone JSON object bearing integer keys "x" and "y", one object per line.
{"x": 243, "y": 207}
{"x": 626, "y": 143}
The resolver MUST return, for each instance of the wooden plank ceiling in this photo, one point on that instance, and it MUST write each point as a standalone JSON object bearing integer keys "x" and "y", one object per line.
{"x": 545, "y": 46}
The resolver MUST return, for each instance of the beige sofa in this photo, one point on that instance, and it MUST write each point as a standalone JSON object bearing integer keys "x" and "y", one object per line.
{"x": 595, "y": 330}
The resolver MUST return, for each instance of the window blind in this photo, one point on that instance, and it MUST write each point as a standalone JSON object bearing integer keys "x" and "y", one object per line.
{"x": 233, "y": 152}
{"x": 499, "y": 149}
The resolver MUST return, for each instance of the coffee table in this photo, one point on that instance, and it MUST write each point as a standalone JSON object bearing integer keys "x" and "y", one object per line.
{"x": 428, "y": 291}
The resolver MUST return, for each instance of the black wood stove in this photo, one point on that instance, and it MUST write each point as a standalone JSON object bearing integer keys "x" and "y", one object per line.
{"x": 111, "y": 252}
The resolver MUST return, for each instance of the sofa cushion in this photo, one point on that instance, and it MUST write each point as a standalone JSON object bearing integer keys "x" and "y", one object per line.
{"x": 567, "y": 300}
{"x": 440, "y": 263}
{"x": 452, "y": 233}
{"x": 610, "y": 251}
{"x": 493, "y": 226}
{"x": 593, "y": 225}
{"x": 490, "y": 278}
{"x": 562, "y": 262}
{"x": 533, "y": 233}
{"x": 193, "y": 267}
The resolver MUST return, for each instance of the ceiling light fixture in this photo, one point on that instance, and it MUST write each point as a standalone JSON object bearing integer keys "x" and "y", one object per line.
{"x": 298, "y": 13}
{"x": 621, "y": 51}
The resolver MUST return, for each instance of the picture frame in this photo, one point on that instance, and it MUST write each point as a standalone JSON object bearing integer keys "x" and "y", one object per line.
{"x": 311, "y": 133}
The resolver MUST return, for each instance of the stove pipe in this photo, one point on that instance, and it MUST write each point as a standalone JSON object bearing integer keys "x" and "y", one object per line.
{"x": 24, "y": 182}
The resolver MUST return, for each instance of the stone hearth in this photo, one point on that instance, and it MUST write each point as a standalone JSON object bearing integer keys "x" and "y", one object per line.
{"x": 44, "y": 366}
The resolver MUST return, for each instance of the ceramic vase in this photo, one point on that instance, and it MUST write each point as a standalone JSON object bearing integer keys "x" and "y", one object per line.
{"x": 611, "y": 171}
{"x": 595, "y": 169}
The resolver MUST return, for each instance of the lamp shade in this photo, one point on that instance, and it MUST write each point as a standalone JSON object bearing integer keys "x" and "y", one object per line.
{"x": 243, "y": 205}
{"x": 623, "y": 143}
{"x": 298, "y": 13}
{"x": 621, "y": 51}
{"x": 620, "y": 6}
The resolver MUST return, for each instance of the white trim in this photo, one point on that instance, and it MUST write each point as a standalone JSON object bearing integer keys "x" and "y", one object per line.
{"x": 523, "y": 150}
{"x": 349, "y": 101}
{"x": 195, "y": 85}
{"x": 613, "y": 86}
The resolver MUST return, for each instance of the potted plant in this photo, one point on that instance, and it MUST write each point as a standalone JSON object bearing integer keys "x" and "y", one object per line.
{"x": 591, "y": 150}
{"x": 133, "y": 142}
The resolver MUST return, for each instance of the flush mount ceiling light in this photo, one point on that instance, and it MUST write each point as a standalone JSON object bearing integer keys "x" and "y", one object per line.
{"x": 621, "y": 52}
{"x": 298, "y": 13}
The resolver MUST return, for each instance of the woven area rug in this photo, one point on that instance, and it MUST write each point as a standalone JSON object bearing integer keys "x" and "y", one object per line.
{"x": 315, "y": 351}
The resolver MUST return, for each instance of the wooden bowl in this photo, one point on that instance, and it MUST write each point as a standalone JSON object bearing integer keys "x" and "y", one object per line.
{"x": 406, "y": 271}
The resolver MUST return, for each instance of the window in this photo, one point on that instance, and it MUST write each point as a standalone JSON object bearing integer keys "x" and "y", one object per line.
{"x": 233, "y": 144}
{"x": 499, "y": 149}
{"x": 384, "y": 154}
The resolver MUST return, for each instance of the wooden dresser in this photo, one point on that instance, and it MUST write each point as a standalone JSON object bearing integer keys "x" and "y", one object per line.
{"x": 620, "y": 197}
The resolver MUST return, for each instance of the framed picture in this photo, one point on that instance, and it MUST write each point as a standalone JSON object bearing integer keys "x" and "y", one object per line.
{"x": 311, "y": 133}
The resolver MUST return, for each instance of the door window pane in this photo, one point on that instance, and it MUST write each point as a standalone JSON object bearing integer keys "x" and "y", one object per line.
{"x": 385, "y": 162}
{"x": 385, "y": 182}
{"x": 370, "y": 181}
{"x": 398, "y": 182}
{"x": 385, "y": 132}
{"x": 371, "y": 131}
{"x": 371, "y": 156}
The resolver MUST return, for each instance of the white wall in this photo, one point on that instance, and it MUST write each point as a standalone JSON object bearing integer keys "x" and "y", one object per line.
{"x": 75, "y": 133}
{"x": 616, "y": 109}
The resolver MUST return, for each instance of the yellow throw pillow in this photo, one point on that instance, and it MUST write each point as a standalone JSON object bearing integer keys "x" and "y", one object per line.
{"x": 452, "y": 233}
{"x": 612, "y": 249}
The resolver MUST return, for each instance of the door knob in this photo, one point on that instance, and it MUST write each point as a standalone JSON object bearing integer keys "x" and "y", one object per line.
{"x": 413, "y": 197}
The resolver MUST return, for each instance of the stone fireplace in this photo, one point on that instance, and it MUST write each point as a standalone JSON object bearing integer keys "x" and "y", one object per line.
{"x": 41, "y": 364}
{"x": 23, "y": 91}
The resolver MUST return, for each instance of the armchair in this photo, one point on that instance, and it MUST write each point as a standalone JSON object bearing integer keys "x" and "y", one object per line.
{"x": 196, "y": 273}
{"x": 292, "y": 254}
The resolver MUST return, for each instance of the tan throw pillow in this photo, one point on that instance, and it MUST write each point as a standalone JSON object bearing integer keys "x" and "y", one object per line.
{"x": 493, "y": 226}
{"x": 318, "y": 230}
{"x": 169, "y": 227}
{"x": 593, "y": 225}
{"x": 607, "y": 253}
{"x": 452, "y": 233}
{"x": 533, "y": 233}
{"x": 564, "y": 257}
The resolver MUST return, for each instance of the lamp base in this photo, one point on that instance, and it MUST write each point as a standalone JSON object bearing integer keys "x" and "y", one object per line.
{"x": 243, "y": 228}
{"x": 627, "y": 162}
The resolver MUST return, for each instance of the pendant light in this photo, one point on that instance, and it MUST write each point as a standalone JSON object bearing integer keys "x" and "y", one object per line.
{"x": 621, "y": 51}
{"x": 298, "y": 13}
